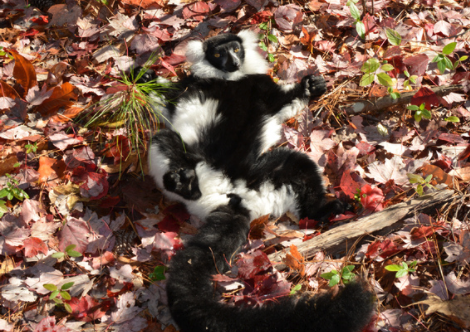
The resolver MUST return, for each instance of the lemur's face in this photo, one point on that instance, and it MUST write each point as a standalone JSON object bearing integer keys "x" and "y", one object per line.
{"x": 227, "y": 57}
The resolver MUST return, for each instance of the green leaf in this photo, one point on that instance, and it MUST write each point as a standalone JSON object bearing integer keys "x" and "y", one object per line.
{"x": 295, "y": 289}
{"x": 264, "y": 26}
{"x": 262, "y": 45}
{"x": 419, "y": 190}
{"x": 465, "y": 57}
{"x": 158, "y": 273}
{"x": 16, "y": 165}
{"x": 428, "y": 178}
{"x": 412, "y": 107}
{"x": 452, "y": 119}
{"x": 334, "y": 280}
{"x": 393, "y": 267}
{"x": 448, "y": 63}
{"x": 401, "y": 273}
{"x": 271, "y": 57}
{"x": 367, "y": 79}
{"x": 50, "y": 287}
{"x": 438, "y": 58}
{"x": 449, "y": 48}
{"x": 394, "y": 37}
{"x": 417, "y": 116}
{"x": 348, "y": 268}
{"x": 407, "y": 74}
{"x": 355, "y": 13}
{"x": 4, "y": 192}
{"x": 272, "y": 38}
{"x": 427, "y": 114}
{"x": 413, "y": 263}
{"x": 384, "y": 79}
{"x": 68, "y": 308}
{"x": 73, "y": 253}
{"x": 413, "y": 78}
{"x": 395, "y": 95}
{"x": 58, "y": 254}
{"x": 70, "y": 247}
{"x": 414, "y": 178}
{"x": 361, "y": 29}
{"x": 405, "y": 265}
{"x": 329, "y": 275}
{"x": 387, "y": 67}
{"x": 53, "y": 295}
{"x": 65, "y": 295}
{"x": 441, "y": 65}
{"x": 67, "y": 285}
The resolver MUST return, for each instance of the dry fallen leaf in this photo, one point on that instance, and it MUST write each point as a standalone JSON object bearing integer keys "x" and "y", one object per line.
{"x": 24, "y": 72}
{"x": 457, "y": 309}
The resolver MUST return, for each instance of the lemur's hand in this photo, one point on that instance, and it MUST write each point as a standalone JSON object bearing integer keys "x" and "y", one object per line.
{"x": 314, "y": 86}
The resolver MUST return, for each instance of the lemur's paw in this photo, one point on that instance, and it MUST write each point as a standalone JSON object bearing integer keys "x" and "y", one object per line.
{"x": 314, "y": 86}
{"x": 183, "y": 182}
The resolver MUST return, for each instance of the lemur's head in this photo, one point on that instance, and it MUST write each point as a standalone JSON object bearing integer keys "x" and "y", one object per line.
{"x": 226, "y": 56}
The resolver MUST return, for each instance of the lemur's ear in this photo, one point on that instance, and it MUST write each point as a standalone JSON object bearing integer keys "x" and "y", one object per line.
{"x": 249, "y": 38}
{"x": 195, "y": 51}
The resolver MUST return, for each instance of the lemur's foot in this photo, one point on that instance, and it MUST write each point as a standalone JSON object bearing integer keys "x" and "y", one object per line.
{"x": 183, "y": 182}
{"x": 314, "y": 86}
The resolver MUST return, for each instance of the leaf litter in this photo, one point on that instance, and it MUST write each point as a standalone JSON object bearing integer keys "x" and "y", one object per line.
{"x": 85, "y": 185}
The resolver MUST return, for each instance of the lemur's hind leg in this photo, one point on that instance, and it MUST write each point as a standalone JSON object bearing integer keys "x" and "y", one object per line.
{"x": 283, "y": 167}
{"x": 172, "y": 165}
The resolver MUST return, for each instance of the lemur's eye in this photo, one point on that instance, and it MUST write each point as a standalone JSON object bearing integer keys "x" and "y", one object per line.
{"x": 236, "y": 50}
{"x": 217, "y": 55}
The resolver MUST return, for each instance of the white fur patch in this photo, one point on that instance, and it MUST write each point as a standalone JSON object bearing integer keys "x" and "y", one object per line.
{"x": 191, "y": 117}
{"x": 158, "y": 164}
{"x": 287, "y": 87}
{"x": 270, "y": 133}
{"x": 292, "y": 109}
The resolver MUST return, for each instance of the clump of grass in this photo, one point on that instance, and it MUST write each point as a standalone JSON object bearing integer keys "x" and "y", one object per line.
{"x": 132, "y": 108}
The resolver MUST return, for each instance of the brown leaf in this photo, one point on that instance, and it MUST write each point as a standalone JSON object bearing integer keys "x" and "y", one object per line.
{"x": 61, "y": 97}
{"x": 8, "y": 264}
{"x": 457, "y": 309}
{"x": 438, "y": 175}
{"x": 50, "y": 169}
{"x": 7, "y": 91}
{"x": 462, "y": 173}
{"x": 7, "y": 164}
{"x": 295, "y": 261}
{"x": 24, "y": 72}
{"x": 257, "y": 227}
{"x": 68, "y": 114}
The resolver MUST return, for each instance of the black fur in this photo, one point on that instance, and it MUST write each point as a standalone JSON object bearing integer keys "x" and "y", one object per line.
{"x": 195, "y": 308}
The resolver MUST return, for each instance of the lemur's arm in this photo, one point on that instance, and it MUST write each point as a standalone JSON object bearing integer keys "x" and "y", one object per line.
{"x": 287, "y": 100}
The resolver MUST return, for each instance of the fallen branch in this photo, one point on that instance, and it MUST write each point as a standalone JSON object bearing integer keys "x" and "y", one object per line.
{"x": 337, "y": 238}
{"x": 375, "y": 104}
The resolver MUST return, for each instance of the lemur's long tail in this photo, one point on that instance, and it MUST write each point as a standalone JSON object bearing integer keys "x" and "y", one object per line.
{"x": 195, "y": 309}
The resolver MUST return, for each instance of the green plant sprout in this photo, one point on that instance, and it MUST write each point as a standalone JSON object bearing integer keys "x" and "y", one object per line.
{"x": 393, "y": 37}
{"x": 369, "y": 69}
{"x": 31, "y": 147}
{"x": 356, "y": 14}
{"x": 443, "y": 60}
{"x": 421, "y": 112}
{"x": 334, "y": 277}
{"x": 403, "y": 269}
{"x": 158, "y": 273}
{"x": 62, "y": 292}
{"x": 68, "y": 252}
{"x": 415, "y": 178}
{"x": 12, "y": 191}
{"x": 295, "y": 289}
{"x": 411, "y": 79}
{"x": 3, "y": 208}
{"x": 270, "y": 38}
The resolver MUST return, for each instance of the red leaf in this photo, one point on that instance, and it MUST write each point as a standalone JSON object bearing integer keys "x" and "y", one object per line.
{"x": 7, "y": 91}
{"x": 350, "y": 182}
{"x": 41, "y": 20}
{"x": 33, "y": 245}
{"x": 50, "y": 169}
{"x": 426, "y": 96}
{"x": 257, "y": 227}
{"x": 306, "y": 223}
{"x": 24, "y": 72}
{"x": 86, "y": 309}
{"x": 250, "y": 265}
{"x": 295, "y": 260}
{"x": 423, "y": 232}
{"x": 417, "y": 64}
{"x": 371, "y": 198}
